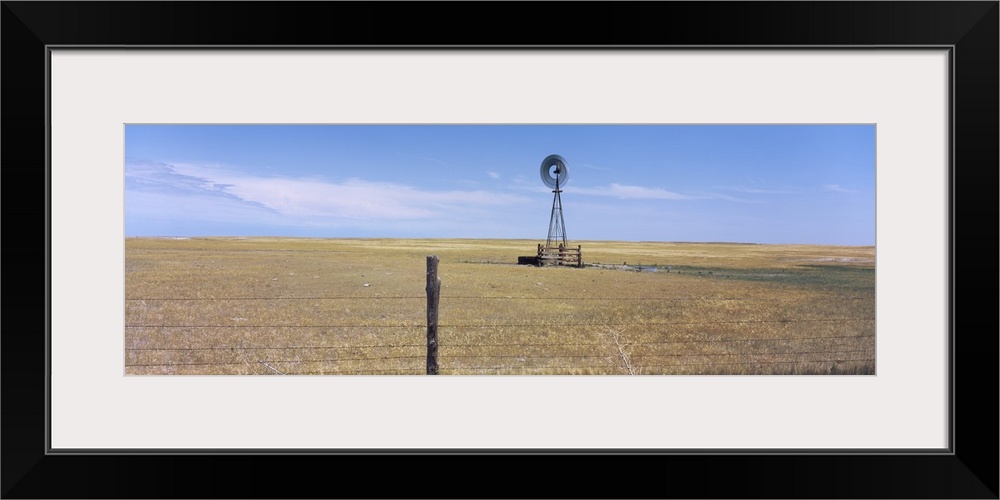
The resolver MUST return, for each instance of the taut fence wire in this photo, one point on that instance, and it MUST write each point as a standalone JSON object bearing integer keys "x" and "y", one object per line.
{"x": 373, "y": 347}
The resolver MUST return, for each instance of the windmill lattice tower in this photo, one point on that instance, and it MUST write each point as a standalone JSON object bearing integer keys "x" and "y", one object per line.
{"x": 557, "y": 225}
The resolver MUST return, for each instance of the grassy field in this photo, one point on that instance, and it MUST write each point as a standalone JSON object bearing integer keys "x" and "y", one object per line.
{"x": 358, "y": 306}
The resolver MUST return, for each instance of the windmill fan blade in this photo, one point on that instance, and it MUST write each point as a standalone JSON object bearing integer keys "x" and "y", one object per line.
{"x": 561, "y": 171}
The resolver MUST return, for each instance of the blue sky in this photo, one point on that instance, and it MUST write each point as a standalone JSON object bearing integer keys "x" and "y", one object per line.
{"x": 809, "y": 184}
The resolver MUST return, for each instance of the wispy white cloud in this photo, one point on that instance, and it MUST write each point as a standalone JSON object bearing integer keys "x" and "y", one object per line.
{"x": 836, "y": 188}
{"x": 639, "y": 192}
{"x": 724, "y": 197}
{"x": 628, "y": 192}
{"x": 493, "y": 175}
{"x": 756, "y": 190}
{"x": 165, "y": 180}
{"x": 315, "y": 198}
{"x": 153, "y": 175}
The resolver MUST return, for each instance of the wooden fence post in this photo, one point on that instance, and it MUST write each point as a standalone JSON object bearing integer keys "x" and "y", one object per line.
{"x": 433, "y": 294}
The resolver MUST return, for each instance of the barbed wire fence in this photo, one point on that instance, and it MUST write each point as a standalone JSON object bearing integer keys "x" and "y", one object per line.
{"x": 371, "y": 347}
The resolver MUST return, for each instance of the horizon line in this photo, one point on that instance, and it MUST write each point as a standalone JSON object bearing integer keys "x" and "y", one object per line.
{"x": 182, "y": 237}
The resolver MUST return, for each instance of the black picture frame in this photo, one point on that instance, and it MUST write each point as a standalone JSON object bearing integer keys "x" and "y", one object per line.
{"x": 970, "y": 29}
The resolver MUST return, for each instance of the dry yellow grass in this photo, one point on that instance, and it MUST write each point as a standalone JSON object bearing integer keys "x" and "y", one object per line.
{"x": 357, "y": 306}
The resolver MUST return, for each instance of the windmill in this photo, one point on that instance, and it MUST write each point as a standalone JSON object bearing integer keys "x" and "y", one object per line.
{"x": 555, "y": 174}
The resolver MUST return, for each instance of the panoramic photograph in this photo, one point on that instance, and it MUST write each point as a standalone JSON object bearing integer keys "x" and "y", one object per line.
{"x": 585, "y": 249}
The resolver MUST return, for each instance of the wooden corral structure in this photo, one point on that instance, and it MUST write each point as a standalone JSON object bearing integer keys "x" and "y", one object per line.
{"x": 559, "y": 256}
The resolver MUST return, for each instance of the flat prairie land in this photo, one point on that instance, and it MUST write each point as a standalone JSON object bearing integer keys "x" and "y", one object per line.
{"x": 299, "y": 306}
